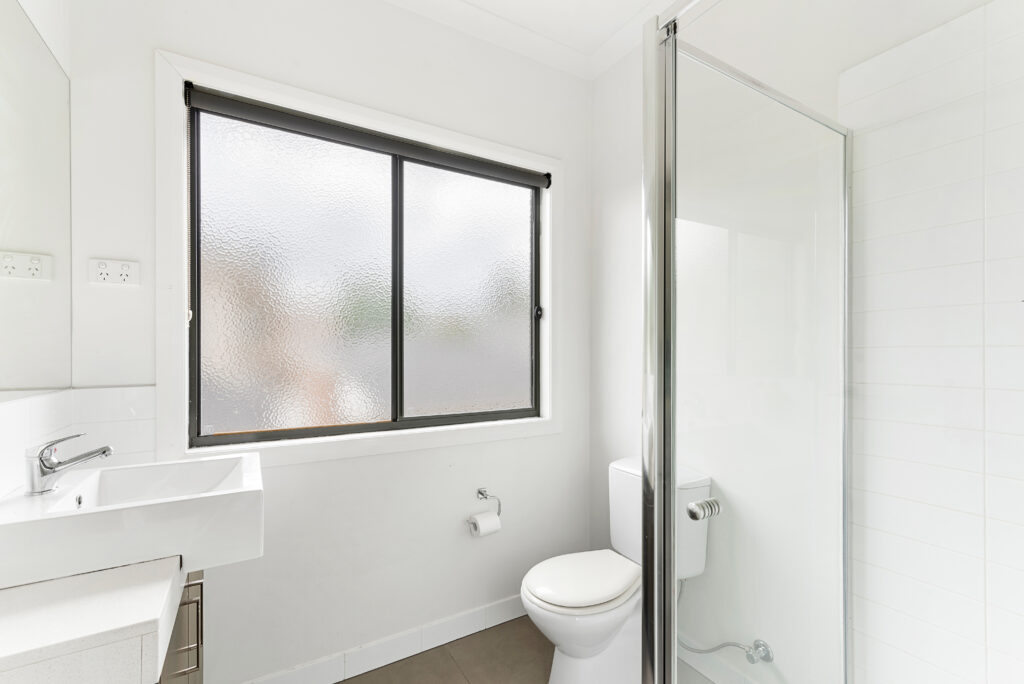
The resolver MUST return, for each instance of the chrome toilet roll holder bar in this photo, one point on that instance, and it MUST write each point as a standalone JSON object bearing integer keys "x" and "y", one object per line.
{"x": 484, "y": 496}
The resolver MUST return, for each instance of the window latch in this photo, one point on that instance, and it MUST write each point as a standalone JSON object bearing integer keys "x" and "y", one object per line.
{"x": 538, "y": 312}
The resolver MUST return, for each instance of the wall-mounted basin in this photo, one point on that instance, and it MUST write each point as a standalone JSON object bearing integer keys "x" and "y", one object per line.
{"x": 209, "y": 511}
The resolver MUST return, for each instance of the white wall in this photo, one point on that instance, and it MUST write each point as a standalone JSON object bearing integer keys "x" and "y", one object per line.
{"x": 938, "y": 358}
{"x": 362, "y": 548}
{"x": 616, "y": 284}
{"x": 52, "y": 19}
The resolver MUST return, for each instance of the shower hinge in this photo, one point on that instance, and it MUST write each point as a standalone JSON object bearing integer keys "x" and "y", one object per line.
{"x": 667, "y": 32}
{"x": 538, "y": 312}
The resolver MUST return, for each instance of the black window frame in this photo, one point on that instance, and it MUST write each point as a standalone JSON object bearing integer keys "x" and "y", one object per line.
{"x": 203, "y": 100}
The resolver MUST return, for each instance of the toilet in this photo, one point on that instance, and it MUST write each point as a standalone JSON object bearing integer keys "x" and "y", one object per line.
{"x": 588, "y": 604}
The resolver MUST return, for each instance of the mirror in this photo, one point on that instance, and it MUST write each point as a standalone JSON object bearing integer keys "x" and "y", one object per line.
{"x": 35, "y": 210}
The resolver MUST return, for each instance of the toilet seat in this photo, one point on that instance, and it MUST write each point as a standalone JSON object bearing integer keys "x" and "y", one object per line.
{"x": 582, "y": 583}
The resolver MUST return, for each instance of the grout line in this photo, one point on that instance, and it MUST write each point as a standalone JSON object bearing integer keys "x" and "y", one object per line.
{"x": 918, "y": 618}
{"x": 889, "y": 236}
{"x": 455, "y": 661}
{"x": 918, "y": 153}
{"x": 890, "y": 421}
{"x": 909, "y": 654}
{"x": 984, "y": 339}
{"x": 863, "y": 454}
{"x": 919, "y": 502}
{"x": 920, "y": 580}
{"x": 917, "y": 384}
{"x": 928, "y": 188}
{"x": 961, "y": 57}
{"x": 946, "y": 549}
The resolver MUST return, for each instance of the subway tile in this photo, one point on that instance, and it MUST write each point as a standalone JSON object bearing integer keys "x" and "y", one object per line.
{"x": 123, "y": 436}
{"x": 942, "y": 286}
{"x": 1005, "y": 544}
{"x": 1004, "y": 61}
{"x": 1004, "y": 279}
{"x": 102, "y": 404}
{"x": 937, "y": 366}
{"x": 1004, "y": 368}
{"x": 914, "y": 57}
{"x": 1004, "y": 18}
{"x": 1006, "y": 588}
{"x": 1004, "y": 668}
{"x": 876, "y": 662}
{"x": 943, "y": 246}
{"x": 1004, "y": 499}
{"x": 942, "y": 85}
{"x": 935, "y": 327}
{"x": 1004, "y": 323}
{"x": 1004, "y": 149}
{"x": 948, "y": 529}
{"x": 1004, "y": 105}
{"x": 955, "y": 572}
{"x": 921, "y": 639}
{"x": 946, "y": 124}
{"x": 941, "y": 406}
{"x": 1005, "y": 630}
{"x": 1004, "y": 236}
{"x": 1004, "y": 411}
{"x": 944, "y": 487}
{"x": 944, "y": 609}
{"x": 938, "y": 446}
{"x": 955, "y": 203}
{"x": 958, "y": 161}
{"x": 1003, "y": 193}
{"x": 1004, "y": 455}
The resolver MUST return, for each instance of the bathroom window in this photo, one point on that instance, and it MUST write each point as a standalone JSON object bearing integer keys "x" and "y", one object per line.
{"x": 346, "y": 281}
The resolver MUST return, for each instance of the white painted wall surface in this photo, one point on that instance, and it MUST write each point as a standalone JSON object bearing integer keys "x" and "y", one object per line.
{"x": 616, "y": 285}
{"x": 52, "y": 18}
{"x": 938, "y": 358}
{"x": 363, "y": 548}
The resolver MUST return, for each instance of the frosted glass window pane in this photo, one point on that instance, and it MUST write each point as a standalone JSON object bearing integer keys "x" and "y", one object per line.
{"x": 466, "y": 293}
{"x": 295, "y": 280}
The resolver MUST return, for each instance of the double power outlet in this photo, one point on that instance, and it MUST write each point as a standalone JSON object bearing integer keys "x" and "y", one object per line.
{"x": 27, "y": 266}
{"x": 113, "y": 272}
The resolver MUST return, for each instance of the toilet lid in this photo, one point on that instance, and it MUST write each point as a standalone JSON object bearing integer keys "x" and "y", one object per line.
{"x": 577, "y": 580}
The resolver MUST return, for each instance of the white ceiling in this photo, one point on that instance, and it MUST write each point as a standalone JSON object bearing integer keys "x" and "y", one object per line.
{"x": 786, "y": 40}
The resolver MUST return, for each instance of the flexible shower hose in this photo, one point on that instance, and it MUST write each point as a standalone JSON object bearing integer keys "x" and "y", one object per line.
{"x": 760, "y": 650}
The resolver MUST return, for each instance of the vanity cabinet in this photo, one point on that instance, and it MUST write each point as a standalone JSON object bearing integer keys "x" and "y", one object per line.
{"x": 184, "y": 661}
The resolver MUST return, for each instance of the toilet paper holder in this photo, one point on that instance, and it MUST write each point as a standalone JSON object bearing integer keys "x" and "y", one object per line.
{"x": 482, "y": 494}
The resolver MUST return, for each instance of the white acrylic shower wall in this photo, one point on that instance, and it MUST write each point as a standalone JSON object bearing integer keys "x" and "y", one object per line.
{"x": 938, "y": 354}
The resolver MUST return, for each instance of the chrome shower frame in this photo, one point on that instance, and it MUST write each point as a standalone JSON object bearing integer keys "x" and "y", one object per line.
{"x": 660, "y": 47}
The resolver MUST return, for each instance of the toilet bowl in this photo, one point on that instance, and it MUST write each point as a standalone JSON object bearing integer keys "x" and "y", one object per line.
{"x": 582, "y": 602}
{"x": 588, "y": 604}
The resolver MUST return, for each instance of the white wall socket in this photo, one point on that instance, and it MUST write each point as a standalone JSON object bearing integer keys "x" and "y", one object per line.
{"x": 28, "y": 266}
{"x": 113, "y": 272}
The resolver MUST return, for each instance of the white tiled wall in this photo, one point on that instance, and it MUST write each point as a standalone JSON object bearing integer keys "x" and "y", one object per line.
{"x": 938, "y": 357}
{"x": 121, "y": 417}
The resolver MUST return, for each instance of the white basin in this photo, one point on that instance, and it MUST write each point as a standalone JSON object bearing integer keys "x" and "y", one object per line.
{"x": 209, "y": 511}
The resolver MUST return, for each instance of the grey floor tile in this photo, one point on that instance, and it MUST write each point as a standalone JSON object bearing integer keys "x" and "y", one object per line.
{"x": 435, "y": 666}
{"x": 513, "y": 652}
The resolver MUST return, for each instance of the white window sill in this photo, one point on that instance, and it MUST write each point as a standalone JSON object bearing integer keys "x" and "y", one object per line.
{"x": 312, "y": 449}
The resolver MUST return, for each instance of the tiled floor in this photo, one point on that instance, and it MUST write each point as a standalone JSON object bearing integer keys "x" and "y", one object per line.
{"x": 513, "y": 652}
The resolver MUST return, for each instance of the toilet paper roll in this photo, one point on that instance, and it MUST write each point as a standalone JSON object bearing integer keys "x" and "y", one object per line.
{"x": 483, "y": 524}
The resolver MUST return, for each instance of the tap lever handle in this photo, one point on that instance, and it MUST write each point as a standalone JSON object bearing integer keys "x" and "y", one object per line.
{"x": 46, "y": 451}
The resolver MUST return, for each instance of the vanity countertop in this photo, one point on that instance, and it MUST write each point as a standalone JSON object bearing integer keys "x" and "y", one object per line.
{"x": 47, "y": 620}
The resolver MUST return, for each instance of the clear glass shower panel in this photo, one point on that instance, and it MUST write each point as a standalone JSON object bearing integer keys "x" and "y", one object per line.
{"x": 758, "y": 244}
